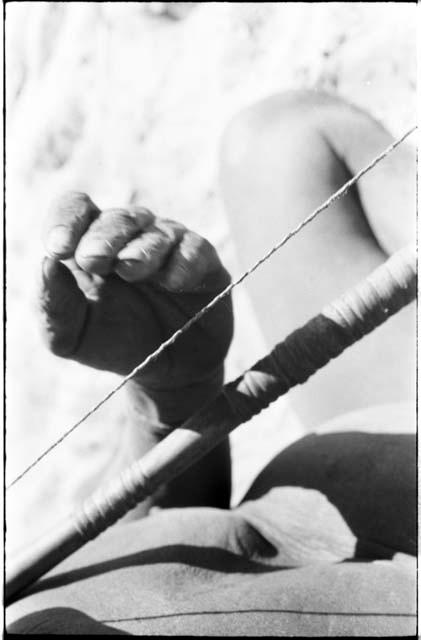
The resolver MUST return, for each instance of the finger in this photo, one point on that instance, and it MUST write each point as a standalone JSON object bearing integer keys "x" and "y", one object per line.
{"x": 70, "y": 215}
{"x": 193, "y": 266}
{"x": 63, "y": 308}
{"x": 110, "y": 232}
{"x": 145, "y": 255}
{"x": 89, "y": 283}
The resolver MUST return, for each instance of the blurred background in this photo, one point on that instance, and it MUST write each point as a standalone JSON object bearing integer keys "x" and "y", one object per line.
{"x": 127, "y": 102}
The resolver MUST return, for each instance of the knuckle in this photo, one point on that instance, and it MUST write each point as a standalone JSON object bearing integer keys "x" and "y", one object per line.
{"x": 117, "y": 223}
{"x": 192, "y": 245}
{"x": 115, "y": 216}
{"x": 197, "y": 251}
{"x": 71, "y": 200}
{"x": 116, "y": 211}
{"x": 163, "y": 239}
{"x": 154, "y": 244}
{"x": 180, "y": 273}
{"x": 164, "y": 234}
{"x": 107, "y": 234}
{"x": 143, "y": 214}
{"x": 191, "y": 262}
{"x": 79, "y": 196}
{"x": 173, "y": 230}
{"x": 73, "y": 210}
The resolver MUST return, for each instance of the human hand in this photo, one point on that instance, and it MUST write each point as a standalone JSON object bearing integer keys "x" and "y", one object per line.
{"x": 118, "y": 282}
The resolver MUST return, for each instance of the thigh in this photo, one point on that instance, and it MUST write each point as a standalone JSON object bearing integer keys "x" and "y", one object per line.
{"x": 270, "y": 567}
{"x": 348, "y": 490}
{"x": 371, "y": 599}
{"x": 277, "y": 166}
{"x": 143, "y": 564}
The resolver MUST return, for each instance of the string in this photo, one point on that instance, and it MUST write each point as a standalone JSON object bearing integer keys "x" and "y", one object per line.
{"x": 225, "y": 292}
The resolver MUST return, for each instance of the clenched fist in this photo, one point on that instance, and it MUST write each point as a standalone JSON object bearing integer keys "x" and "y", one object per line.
{"x": 118, "y": 282}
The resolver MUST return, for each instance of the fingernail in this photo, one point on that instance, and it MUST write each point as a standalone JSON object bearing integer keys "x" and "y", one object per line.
{"x": 95, "y": 249}
{"x": 59, "y": 240}
{"x": 129, "y": 270}
{"x": 131, "y": 254}
{"x": 128, "y": 264}
{"x": 48, "y": 267}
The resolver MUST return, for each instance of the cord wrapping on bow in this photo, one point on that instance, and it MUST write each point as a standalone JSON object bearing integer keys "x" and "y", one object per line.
{"x": 167, "y": 343}
{"x": 107, "y": 505}
{"x": 341, "y": 323}
{"x": 291, "y": 362}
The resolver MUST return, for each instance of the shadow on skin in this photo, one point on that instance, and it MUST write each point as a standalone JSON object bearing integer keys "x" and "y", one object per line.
{"x": 61, "y": 620}
{"x": 65, "y": 620}
{"x": 368, "y": 477}
{"x": 211, "y": 558}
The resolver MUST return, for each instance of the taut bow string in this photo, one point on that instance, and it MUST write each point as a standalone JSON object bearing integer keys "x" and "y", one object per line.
{"x": 341, "y": 323}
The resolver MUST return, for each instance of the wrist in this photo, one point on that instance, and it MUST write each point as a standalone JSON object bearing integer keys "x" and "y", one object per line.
{"x": 169, "y": 407}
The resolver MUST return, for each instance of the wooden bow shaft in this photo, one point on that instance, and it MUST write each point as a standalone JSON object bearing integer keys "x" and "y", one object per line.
{"x": 356, "y": 313}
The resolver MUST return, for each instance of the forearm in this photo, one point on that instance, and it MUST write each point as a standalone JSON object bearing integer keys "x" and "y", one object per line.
{"x": 171, "y": 405}
{"x": 151, "y": 416}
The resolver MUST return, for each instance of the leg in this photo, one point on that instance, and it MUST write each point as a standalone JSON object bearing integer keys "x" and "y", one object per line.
{"x": 280, "y": 160}
{"x": 205, "y": 571}
{"x": 348, "y": 488}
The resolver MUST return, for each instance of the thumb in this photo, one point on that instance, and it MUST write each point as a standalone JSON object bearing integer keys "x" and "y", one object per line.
{"x": 63, "y": 308}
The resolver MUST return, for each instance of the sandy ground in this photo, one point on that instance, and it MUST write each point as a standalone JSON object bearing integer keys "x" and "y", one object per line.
{"x": 129, "y": 106}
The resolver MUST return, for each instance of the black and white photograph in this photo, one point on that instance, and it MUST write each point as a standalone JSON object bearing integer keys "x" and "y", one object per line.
{"x": 210, "y": 318}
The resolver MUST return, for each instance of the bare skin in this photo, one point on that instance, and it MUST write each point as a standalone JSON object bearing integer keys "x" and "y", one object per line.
{"x": 116, "y": 284}
{"x": 141, "y": 277}
{"x": 283, "y": 157}
{"x": 280, "y": 159}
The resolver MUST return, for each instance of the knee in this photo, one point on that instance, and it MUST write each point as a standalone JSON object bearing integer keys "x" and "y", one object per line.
{"x": 289, "y": 115}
